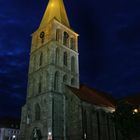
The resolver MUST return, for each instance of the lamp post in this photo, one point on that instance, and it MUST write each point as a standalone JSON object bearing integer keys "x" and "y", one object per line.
{"x": 49, "y": 136}
{"x": 135, "y": 111}
{"x": 13, "y": 137}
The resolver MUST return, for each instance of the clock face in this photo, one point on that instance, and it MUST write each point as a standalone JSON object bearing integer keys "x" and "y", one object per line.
{"x": 42, "y": 34}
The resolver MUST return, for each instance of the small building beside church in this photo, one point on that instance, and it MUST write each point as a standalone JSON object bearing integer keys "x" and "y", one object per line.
{"x": 58, "y": 107}
{"x": 9, "y": 128}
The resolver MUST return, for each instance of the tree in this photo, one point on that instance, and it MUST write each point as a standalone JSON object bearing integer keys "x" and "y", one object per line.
{"x": 127, "y": 120}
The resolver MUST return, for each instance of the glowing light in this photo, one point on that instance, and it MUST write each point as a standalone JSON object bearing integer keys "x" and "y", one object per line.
{"x": 50, "y": 133}
{"x": 52, "y": 4}
{"x": 14, "y": 136}
{"x": 135, "y": 111}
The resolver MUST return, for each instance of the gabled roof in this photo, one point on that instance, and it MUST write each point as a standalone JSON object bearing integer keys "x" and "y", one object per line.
{"x": 94, "y": 96}
{"x": 55, "y": 9}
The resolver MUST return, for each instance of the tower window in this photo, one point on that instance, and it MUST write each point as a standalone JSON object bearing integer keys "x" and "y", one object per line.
{"x": 40, "y": 85}
{"x": 56, "y": 81}
{"x": 73, "y": 64}
{"x": 58, "y": 35}
{"x": 65, "y": 38}
{"x": 41, "y": 59}
{"x": 47, "y": 81}
{"x": 65, "y": 58}
{"x": 57, "y": 56}
{"x": 72, "y": 43}
{"x": 72, "y": 81}
{"x": 48, "y": 56}
{"x": 37, "y": 112}
{"x": 34, "y": 63}
{"x": 65, "y": 78}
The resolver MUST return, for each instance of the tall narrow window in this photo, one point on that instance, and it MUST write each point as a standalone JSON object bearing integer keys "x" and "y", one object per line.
{"x": 58, "y": 35}
{"x": 34, "y": 63}
{"x": 37, "y": 112}
{"x": 65, "y": 38}
{"x": 48, "y": 56}
{"x": 72, "y": 81}
{"x": 57, "y": 56}
{"x": 40, "y": 85}
{"x": 72, "y": 43}
{"x": 65, "y": 57}
{"x": 41, "y": 59}
{"x": 34, "y": 86}
{"x": 56, "y": 81}
{"x": 47, "y": 81}
{"x": 73, "y": 64}
{"x": 65, "y": 78}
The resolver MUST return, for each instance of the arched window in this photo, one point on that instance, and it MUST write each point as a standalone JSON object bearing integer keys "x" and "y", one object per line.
{"x": 56, "y": 81}
{"x": 34, "y": 86}
{"x": 72, "y": 43}
{"x": 47, "y": 81}
{"x": 40, "y": 85}
{"x": 48, "y": 56}
{"x": 65, "y": 57}
{"x": 65, "y": 38}
{"x": 65, "y": 78}
{"x": 73, "y": 64}
{"x": 37, "y": 112}
{"x": 30, "y": 88}
{"x": 34, "y": 63}
{"x": 41, "y": 59}
{"x": 57, "y": 56}
{"x": 58, "y": 35}
{"x": 72, "y": 81}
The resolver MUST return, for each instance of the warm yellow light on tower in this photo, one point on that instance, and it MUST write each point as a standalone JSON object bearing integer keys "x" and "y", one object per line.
{"x": 52, "y": 4}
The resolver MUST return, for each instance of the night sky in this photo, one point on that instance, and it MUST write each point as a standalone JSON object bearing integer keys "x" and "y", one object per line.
{"x": 109, "y": 46}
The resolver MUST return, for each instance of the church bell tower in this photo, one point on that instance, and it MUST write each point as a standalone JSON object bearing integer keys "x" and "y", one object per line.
{"x": 53, "y": 66}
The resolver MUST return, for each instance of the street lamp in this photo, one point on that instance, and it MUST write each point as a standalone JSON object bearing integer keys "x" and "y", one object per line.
{"x": 13, "y": 137}
{"x": 135, "y": 111}
{"x": 49, "y": 135}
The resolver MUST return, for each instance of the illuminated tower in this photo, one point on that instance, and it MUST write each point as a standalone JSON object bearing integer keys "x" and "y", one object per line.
{"x": 53, "y": 64}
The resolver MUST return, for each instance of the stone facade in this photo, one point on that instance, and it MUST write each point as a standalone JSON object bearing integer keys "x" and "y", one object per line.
{"x": 53, "y": 63}
{"x": 51, "y": 109}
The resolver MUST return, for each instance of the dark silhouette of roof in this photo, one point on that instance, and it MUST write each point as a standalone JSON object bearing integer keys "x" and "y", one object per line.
{"x": 93, "y": 96}
{"x": 8, "y": 122}
{"x": 135, "y": 99}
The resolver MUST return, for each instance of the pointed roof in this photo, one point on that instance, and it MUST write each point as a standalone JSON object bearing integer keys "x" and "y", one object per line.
{"x": 55, "y": 9}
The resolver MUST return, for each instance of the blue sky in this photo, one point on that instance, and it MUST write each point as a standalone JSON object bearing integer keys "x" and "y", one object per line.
{"x": 109, "y": 46}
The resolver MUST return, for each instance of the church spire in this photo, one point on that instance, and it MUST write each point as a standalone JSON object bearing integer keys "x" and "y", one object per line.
{"x": 55, "y": 9}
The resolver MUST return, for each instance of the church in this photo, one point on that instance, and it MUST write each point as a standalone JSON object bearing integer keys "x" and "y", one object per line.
{"x": 57, "y": 106}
